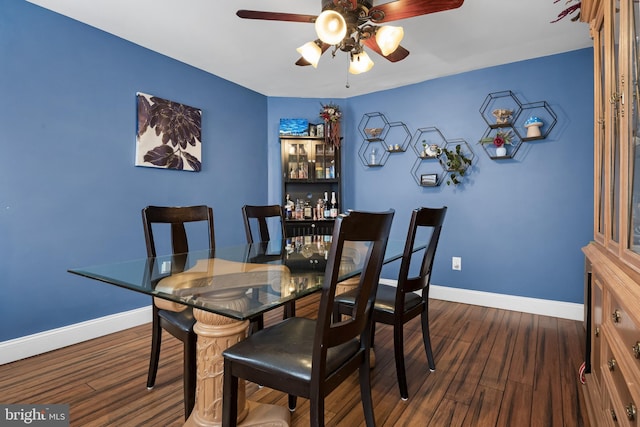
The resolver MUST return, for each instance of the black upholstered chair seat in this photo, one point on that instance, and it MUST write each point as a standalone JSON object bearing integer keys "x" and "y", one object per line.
{"x": 385, "y": 299}
{"x": 182, "y": 320}
{"x": 286, "y": 350}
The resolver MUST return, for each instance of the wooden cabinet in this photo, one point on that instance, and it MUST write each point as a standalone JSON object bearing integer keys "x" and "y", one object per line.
{"x": 612, "y": 389}
{"x": 310, "y": 168}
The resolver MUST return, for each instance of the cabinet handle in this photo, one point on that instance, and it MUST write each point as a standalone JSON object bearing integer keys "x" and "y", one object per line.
{"x": 630, "y": 409}
{"x": 636, "y": 349}
{"x": 597, "y": 332}
{"x": 613, "y": 415}
{"x": 616, "y": 316}
{"x": 615, "y": 97}
{"x": 611, "y": 364}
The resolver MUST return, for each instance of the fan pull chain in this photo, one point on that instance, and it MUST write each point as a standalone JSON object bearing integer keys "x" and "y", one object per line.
{"x": 347, "y": 84}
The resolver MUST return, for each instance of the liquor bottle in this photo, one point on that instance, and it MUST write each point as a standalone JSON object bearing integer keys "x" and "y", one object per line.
{"x": 287, "y": 207}
{"x": 334, "y": 205}
{"x": 299, "y": 213}
{"x": 318, "y": 212}
{"x": 307, "y": 211}
{"x": 327, "y": 207}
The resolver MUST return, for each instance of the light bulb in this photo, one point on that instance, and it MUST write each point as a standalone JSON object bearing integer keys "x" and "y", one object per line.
{"x": 360, "y": 63}
{"x": 389, "y": 38}
{"x": 331, "y": 27}
{"x": 311, "y": 53}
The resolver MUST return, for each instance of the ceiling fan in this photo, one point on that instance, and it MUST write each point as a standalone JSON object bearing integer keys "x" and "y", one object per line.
{"x": 347, "y": 25}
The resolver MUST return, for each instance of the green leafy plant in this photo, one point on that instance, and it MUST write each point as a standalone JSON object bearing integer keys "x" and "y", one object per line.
{"x": 456, "y": 163}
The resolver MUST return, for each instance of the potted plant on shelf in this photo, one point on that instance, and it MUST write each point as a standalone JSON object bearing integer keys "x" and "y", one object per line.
{"x": 500, "y": 139}
{"x": 456, "y": 163}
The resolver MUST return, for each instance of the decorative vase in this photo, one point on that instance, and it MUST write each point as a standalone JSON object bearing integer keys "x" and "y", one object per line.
{"x": 501, "y": 151}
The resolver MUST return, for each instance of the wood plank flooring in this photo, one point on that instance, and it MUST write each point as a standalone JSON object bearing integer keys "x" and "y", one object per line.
{"x": 493, "y": 368}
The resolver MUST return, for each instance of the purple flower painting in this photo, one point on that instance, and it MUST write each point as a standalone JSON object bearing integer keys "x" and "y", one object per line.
{"x": 169, "y": 134}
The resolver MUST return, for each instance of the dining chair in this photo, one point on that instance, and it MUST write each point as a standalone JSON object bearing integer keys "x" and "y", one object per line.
{"x": 257, "y": 219}
{"x": 261, "y": 215}
{"x": 396, "y": 305}
{"x": 310, "y": 358}
{"x": 177, "y": 319}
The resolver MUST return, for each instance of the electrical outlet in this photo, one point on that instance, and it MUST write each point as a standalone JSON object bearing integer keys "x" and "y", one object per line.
{"x": 456, "y": 263}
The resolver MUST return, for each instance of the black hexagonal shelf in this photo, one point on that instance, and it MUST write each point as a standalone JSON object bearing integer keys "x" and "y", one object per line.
{"x": 500, "y": 109}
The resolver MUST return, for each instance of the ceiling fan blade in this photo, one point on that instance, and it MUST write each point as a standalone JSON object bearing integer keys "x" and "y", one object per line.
{"x": 302, "y": 62}
{"x": 402, "y": 9}
{"x": 397, "y": 55}
{"x": 276, "y": 16}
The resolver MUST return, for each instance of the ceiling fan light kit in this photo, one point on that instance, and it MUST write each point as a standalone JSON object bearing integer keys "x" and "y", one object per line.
{"x": 347, "y": 25}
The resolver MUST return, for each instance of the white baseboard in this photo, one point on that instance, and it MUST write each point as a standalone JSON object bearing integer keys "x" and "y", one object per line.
{"x": 563, "y": 310}
{"x": 42, "y": 342}
{"x": 53, "y": 339}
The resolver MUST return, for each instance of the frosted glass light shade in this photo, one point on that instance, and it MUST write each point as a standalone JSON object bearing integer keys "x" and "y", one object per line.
{"x": 331, "y": 27}
{"x": 360, "y": 63}
{"x": 389, "y": 38}
{"x": 311, "y": 53}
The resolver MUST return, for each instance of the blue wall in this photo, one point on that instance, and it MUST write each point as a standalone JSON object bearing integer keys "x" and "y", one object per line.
{"x": 519, "y": 224}
{"x": 70, "y": 195}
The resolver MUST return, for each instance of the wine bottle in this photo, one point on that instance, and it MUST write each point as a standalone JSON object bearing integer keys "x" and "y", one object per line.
{"x": 327, "y": 207}
{"x": 334, "y": 205}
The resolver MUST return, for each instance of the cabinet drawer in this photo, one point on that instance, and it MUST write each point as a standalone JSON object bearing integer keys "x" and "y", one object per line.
{"x": 627, "y": 339}
{"x": 609, "y": 414}
{"x": 620, "y": 397}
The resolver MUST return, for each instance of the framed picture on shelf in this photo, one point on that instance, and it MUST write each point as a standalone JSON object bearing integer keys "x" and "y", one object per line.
{"x": 320, "y": 130}
{"x": 429, "y": 180}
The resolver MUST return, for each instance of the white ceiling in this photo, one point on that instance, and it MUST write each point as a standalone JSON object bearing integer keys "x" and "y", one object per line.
{"x": 260, "y": 55}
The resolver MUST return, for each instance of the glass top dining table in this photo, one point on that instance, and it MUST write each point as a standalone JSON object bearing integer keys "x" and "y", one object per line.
{"x": 237, "y": 281}
{"x": 228, "y": 286}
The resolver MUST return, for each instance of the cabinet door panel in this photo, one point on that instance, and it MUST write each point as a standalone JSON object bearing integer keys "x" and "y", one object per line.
{"x": 634, "y": 129}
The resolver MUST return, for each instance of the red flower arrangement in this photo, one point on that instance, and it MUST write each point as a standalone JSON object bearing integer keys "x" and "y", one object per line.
{"x": 331, "y": 115}
{"x": 500, "y": 139}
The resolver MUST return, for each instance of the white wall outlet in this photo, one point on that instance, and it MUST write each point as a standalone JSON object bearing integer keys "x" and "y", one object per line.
{"x": 456, "y": 263}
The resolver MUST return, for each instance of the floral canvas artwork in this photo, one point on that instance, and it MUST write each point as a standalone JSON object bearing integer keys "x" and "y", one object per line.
{"x": 168, "y": 135}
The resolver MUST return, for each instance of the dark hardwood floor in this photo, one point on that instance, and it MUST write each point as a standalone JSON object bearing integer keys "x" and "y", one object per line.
{"x": 493, "y": 368}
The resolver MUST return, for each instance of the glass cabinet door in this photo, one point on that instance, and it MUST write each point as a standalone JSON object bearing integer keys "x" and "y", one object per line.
{"x": 599, "y": 134}
{"x": 325, "y": 165}
{"x": 297, "y": 159}
{"x": 309, "y": 159}
{"x": 634, "y": 131}
{"x": 614, "y": 119}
